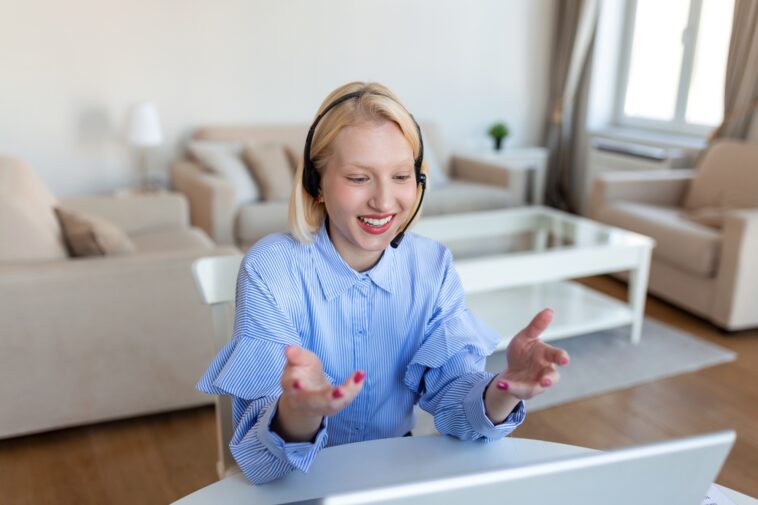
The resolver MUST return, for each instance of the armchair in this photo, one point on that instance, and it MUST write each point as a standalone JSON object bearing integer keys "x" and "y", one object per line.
{"x": 705, "y": 224}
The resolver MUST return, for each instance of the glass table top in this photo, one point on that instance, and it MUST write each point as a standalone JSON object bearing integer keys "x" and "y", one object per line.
{"x": 522, "y": 230}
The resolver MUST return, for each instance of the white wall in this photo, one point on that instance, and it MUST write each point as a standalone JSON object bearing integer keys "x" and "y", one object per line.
{"x": 70, "y": 70}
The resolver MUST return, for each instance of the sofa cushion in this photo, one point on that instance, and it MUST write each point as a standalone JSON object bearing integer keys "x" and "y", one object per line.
{"x": 258, "y": 220}
{"x": 87, "y": 235}
{"x": 270, "y": 165}
{"x": 225, "y": 159}
{"x": 690, "y": 246}
{"x": 29, "y": 229}
{"x": 727, "y": 177}
{"x": 458, "y": 196}
{"x": 172, "y": 240}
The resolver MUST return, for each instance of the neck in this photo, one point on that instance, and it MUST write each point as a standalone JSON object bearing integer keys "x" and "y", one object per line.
{"x": 360, "y": 262}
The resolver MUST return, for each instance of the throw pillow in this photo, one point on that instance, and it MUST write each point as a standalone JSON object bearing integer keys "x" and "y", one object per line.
{"x": 270, "y": 165}
{"x": 225, "y": 159}
{"x": 293, "y": 157}
{"x": 87, "y": 235}
{"x": 28, "y": 228}
{"x": 726, "y": 177}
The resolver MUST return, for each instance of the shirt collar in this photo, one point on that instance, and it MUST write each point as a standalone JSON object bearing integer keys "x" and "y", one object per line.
{"x": 336, "y": 276}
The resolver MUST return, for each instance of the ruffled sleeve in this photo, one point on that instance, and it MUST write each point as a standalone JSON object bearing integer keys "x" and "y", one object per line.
{"x": 447, "y": 370}
{"x": 250, "y": 364}
{"x": 455, "y": 332}
{"x": 249, "y": 369}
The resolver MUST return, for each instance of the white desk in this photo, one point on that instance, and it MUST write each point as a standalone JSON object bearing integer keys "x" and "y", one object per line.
{"x": 391, "y": 461}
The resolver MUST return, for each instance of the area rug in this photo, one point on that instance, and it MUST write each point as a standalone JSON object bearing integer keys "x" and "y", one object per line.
{"x": 607, "y": 361}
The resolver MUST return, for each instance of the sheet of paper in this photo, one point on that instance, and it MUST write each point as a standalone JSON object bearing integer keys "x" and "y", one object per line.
{"x": 716, "y": 497}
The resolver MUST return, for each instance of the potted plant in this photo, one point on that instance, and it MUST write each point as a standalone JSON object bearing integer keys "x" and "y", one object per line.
{"x": 498, "y": 131}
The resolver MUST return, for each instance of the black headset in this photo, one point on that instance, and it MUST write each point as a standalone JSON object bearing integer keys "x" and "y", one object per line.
{"x": 312, "y": 179}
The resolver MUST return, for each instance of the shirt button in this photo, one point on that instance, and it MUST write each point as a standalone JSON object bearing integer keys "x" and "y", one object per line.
{"x": 360, "y": 332}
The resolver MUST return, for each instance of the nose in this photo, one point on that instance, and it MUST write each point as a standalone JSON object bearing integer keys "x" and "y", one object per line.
{"x": 381, "y": 197}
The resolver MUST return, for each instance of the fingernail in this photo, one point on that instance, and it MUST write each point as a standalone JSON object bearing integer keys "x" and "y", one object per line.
{"x": 297, "y": 385}
{"x": 547, "y": 383}
{"x": 336, "y": 393}
{"x": 563, "y": 361}
{"x": 359, "y": 376}
{"x": 502, "y": 385}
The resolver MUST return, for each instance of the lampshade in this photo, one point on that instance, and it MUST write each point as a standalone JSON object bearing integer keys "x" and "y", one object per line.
{"x": 144, "y": 125}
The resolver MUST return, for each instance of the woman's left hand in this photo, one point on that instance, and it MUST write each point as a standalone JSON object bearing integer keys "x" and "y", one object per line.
{"x": 530, "y": 370}
{"x": 531, "y": 362}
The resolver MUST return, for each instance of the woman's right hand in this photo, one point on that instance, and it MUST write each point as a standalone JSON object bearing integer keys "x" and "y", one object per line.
{"x": 307, "y": 396}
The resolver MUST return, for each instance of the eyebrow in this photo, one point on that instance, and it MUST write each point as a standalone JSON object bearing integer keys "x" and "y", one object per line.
{"x": 396, "y": 165}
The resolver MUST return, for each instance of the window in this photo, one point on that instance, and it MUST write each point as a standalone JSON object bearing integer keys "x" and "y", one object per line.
{"x": 673, "y": 64}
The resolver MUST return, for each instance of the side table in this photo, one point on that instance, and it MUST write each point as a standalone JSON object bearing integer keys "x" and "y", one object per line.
{"x": 530, "y": 159}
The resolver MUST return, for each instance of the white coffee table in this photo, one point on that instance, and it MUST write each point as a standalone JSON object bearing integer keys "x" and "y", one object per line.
{"x": 515, "y": 262}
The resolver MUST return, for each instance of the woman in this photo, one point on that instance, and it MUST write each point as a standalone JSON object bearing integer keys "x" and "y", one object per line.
{"x": 340, "y": 330}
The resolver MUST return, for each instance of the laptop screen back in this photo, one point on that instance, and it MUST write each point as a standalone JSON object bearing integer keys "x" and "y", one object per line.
{"x": 676, "y": 472}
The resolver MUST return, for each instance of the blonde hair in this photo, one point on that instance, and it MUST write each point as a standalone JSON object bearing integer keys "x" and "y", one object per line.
{"x": 378, "y": 103}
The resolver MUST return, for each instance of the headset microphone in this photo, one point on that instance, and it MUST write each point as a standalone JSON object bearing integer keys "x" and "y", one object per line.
{"x": 399, "y": 238}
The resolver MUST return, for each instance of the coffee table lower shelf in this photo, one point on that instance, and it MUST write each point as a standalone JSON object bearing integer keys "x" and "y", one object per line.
{"x": 578, "y": 309}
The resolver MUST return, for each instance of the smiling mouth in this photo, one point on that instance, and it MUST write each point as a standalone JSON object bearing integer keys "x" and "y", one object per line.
{"x": 376, "y": 223}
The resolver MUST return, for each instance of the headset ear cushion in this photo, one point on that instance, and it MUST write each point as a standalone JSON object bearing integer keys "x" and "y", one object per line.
{"x": 311, "y": 180}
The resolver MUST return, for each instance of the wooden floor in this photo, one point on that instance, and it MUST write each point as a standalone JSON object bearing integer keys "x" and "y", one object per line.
{"x": 161, "y": 458}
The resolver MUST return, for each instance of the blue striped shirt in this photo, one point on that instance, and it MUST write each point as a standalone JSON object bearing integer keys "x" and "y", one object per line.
{"x": 403, "y": 322}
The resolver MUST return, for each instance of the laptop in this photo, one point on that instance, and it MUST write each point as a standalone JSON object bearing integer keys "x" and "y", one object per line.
{"x": 674, "y": 472}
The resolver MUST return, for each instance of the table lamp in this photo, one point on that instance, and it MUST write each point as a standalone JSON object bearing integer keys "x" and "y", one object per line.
{"x": 144, "y": 133}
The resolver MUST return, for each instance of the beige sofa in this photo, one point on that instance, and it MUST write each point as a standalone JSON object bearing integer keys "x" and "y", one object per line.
{"x": 96, "y": 338}
{"x": 705, "y": 224}
{"x": 457, "y": 184}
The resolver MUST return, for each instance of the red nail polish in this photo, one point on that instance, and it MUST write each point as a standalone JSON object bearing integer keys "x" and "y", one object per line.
{"x": 336, "y": 393}
{"x": 547, "y": 383}
{"x": 564, "y": 361}
{"x": 297, "y": 385}
{"x": 502, "y": 385}
{"x": 359, "y": 376}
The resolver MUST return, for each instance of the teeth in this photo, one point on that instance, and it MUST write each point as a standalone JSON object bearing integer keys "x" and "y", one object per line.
{"x": 375, "y": 222}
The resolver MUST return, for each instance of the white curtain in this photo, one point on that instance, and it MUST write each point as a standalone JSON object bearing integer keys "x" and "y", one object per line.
{"x": 575, "y": 26}
{"x": 741, "y": 87}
